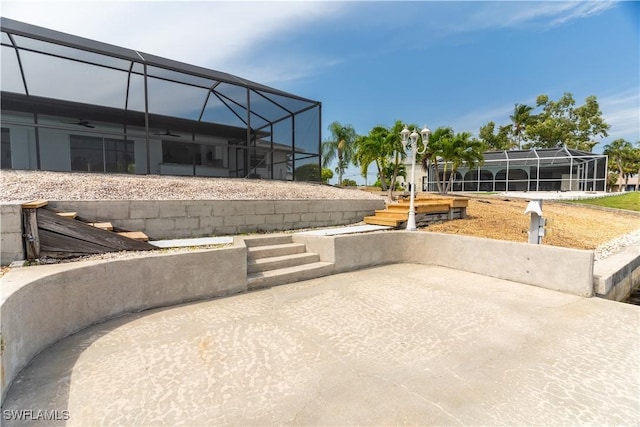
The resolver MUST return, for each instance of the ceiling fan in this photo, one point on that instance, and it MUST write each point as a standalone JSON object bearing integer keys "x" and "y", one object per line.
{"x": 82, "y": 122}
{"x": 167, "y": 132}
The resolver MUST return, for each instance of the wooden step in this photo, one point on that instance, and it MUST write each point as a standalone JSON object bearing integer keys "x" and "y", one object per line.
{"x": 70, "y": 215}
{"x": 432, "y": 208}
{"x": 393, "y": 214}
{"x": 378, "y": 220}
{"x": 35, "y": 204}
{"x": 421, "y": 207}
{"x": 135, "y": 235}
{"x": 102, "y": 225}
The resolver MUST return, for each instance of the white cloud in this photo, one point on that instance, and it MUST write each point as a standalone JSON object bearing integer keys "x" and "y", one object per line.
{"x": 514, "y": 14}
{"x": 219, "y": 35}
{"x": 622, "y": 111}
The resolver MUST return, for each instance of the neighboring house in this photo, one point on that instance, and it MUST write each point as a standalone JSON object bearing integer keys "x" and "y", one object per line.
{"x": 74, "y": 104}
{"x": 548, "y": 169}
{"x": 629, "y": 184}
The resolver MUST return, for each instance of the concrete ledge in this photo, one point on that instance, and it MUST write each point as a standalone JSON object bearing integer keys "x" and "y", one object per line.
{"x": 614, "y": 277}
{"x": 559, "y": 269}
{"x": 43, "y": 304}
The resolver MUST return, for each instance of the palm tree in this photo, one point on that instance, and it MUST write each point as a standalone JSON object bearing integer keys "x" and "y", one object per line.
{"x": 452, "y": 151}
{"x": 340, "y": 144}
{"x": 435, "y": 152}
{"x": 384, "y": 147}
{"x": 620, "y": 153}
{"x": 469, "y": 151}
{"x": 371, "y": 149}
{"x": 520, "y": 119}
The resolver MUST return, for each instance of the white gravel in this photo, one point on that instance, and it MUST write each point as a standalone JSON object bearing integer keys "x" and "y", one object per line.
{"x": 34, "y": 185}
{"x": 616, "y": 245}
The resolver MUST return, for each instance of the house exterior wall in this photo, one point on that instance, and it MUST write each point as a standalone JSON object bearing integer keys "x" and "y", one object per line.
{"x": 626, "y": 185}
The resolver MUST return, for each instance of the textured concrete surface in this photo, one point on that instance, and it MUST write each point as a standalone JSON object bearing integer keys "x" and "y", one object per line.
{"x": 400, "y": 344}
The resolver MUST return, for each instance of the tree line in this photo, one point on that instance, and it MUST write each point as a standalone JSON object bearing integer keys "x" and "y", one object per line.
{"x": 548, "y": 124}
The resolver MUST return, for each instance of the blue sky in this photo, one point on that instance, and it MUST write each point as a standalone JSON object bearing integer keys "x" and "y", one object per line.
{"x": 458, "y": 64}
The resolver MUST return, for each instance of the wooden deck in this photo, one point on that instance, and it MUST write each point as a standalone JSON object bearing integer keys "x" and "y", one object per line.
{"x": 428, "y": 208}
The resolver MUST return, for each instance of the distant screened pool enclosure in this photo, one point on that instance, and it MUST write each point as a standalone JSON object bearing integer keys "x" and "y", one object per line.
{"x": 74, "y": 104}
{"x": 548, "y": 169}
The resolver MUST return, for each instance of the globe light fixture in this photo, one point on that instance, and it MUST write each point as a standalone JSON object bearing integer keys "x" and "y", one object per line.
{"x": 410, "y": 144}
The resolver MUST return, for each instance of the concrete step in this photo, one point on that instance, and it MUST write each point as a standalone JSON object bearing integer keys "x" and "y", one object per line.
{"x": 274, "y": 250}
{"x": 278, "y": 239}
{"x": 273, "y": 263}
{"x": 283, "y": 276}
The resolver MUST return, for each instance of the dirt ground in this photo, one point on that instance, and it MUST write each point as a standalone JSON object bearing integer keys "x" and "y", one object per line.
{"x": 573, "y": 226}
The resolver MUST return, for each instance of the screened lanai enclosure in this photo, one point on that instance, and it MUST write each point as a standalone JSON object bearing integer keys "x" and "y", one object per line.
{"x": 549, "y": 169}
{"x": 74, "y": 104}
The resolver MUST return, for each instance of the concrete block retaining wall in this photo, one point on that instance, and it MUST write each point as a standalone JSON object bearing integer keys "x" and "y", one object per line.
{"x": 176, "y": 219}
{"x": 43, "y": 304}
{"x": 11, "y": 247}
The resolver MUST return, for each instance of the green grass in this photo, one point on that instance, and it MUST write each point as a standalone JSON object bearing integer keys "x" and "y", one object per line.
{"x": 628, "y": 201}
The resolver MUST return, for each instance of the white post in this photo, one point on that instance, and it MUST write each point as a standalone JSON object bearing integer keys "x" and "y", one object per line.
{"x": 410, "y": 139}
{"x": 537, "y": 223}
{"x": 411, "y": 222}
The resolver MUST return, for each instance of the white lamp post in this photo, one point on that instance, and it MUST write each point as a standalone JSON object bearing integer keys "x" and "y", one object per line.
{"x": 410, "y": 143}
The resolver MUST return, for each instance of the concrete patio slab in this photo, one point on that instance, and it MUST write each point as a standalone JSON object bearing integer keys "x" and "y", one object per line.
{"x": 403, "y": 344}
